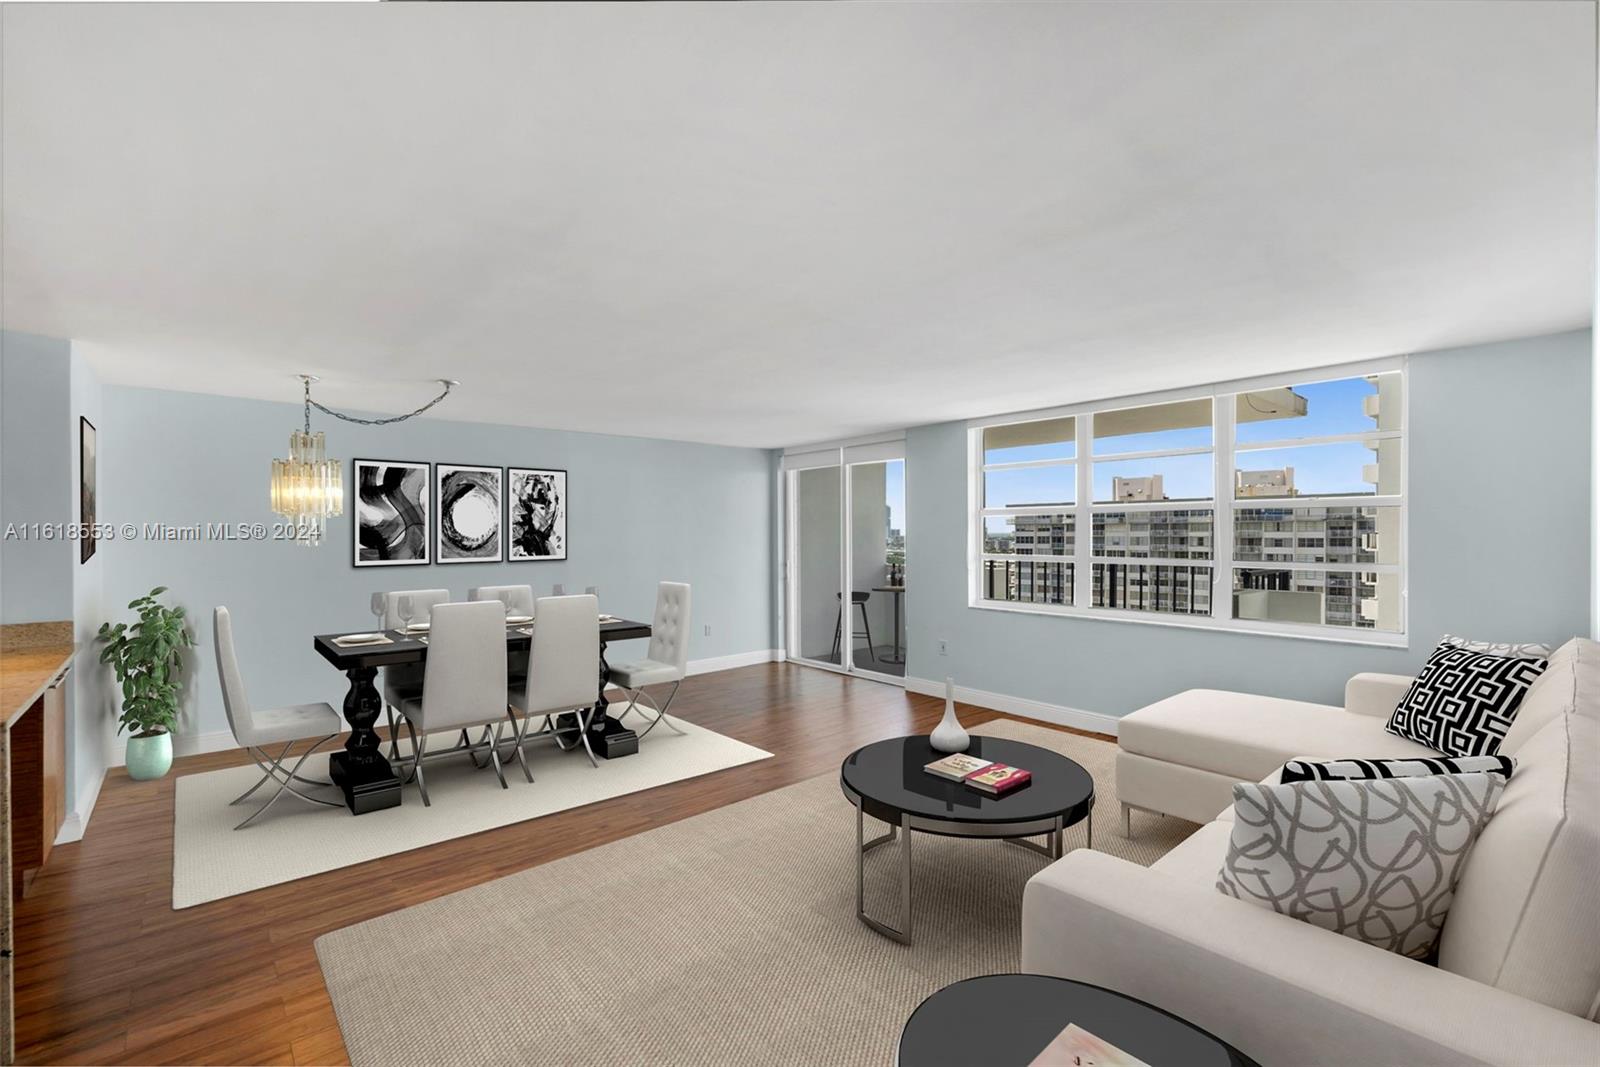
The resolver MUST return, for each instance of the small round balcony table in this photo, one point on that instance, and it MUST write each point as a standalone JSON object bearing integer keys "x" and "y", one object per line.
{"x": 898, "y": 591}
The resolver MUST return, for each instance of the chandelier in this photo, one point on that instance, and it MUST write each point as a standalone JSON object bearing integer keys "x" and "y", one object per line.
{"x": 308, "y": 487}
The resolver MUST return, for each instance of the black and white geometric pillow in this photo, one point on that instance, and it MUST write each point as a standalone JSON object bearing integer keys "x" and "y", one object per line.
{"x": 1513, "y": 649}
{"x": 1462, "y": 701}
{"x": 1310, "y": 770}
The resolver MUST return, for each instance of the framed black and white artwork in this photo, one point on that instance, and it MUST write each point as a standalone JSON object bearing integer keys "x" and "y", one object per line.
{"x": 86, "y": 489}
{"x": 391, "y": 527}
{"x": 536, "y": 501}
{"x": 471, "y": 516}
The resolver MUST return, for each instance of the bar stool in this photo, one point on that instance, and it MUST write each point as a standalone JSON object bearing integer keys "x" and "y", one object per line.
{"x": 859, "y": 599}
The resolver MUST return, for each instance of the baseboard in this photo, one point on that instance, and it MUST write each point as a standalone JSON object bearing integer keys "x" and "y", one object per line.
{"x": 735, "y": 661}
{"x": 77, "y": 820}
{"x": 222, "y": 740}
{"x": 726, "y": 663}
{"x": 183, "y": 745}
{"x": 1095, "y": 721}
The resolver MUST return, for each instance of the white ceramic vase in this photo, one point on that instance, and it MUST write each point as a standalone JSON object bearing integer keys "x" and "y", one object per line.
{"x": 948, "y": 736}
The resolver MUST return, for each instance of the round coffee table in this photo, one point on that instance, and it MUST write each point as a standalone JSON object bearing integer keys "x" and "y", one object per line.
{"x": 1008, "y": 1019}
{"x": 886, "y": 780}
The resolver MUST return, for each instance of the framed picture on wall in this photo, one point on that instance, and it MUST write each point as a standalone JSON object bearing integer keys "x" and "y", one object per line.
{"x": 86, "y": 489}
{"x": 391, "y": 527}
{"x": 471, "y": 514}
{"x": 536, "y": 502}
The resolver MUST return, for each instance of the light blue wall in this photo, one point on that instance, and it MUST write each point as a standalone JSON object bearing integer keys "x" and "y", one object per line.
{"x": 36, "y": 471}
{"x": 1499, "y": 550}
{"x": 92, "y": 709}
{"x": 46, "y": 387}
{"x": 641, "y": 511}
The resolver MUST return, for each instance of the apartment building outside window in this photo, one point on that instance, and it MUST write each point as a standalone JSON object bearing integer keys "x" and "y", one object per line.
{"x": 1269, "y": 505}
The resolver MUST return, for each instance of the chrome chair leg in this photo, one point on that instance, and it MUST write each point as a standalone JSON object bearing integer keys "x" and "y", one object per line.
{"x": 274, "y": 766}
{"x": 418, "y": 749}
{"x": 266, "y": 771}
{"x": 494, "y": 758}
{"x": 660, "y": 710}
{"x": 472, "y": 749}
{"x": 394, "y": 733}
{"x": 464, "y": 744}
{"x": 286, "y": 785}
{"x": 583, "y": 724}
{"x": 517, "y": 731}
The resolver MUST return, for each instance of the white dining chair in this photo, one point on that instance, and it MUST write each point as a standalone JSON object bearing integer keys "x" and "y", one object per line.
{"x": 254, "y": 730}
{"x": 666, "y": 660}
{"x": 463, "y": 685}
{"x": 404, "y": 681}
{"x": 518, "y": 599}
{"x": 422, "y": 602}
{"x": 563, "y": 670}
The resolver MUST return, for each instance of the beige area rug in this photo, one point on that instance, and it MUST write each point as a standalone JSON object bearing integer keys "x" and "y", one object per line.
{"x": 211, "y": 860}
{"x": 727, "y": 938}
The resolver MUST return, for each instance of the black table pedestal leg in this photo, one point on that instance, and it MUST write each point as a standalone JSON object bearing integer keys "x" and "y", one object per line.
{"x": 361, "y": 770}
{"x": 607, "y": 736}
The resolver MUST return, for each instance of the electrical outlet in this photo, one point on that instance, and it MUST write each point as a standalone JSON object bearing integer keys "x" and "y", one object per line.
{"x": 708, "y": 629}
{"x": 944, "y": 648}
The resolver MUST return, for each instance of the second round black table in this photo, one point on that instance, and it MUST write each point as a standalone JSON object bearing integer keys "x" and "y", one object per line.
{"x": 1005, "y": 1020}
{"x": 887, "y": 781}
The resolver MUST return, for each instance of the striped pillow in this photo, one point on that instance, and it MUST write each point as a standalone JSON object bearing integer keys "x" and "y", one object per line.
{"x": 1309, "y": 770}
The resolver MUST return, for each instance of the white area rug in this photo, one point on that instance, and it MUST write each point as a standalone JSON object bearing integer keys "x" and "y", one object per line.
{"x": 211, "y": 860}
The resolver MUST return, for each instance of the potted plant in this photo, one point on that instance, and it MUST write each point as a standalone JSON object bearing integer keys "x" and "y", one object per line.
{"x": 145, "y": 657}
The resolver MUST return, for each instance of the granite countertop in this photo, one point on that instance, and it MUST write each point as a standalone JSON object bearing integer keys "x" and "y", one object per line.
{"x": 31, "y": 655}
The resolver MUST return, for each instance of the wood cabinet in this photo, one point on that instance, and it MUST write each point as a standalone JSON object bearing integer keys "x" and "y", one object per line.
{"x": 35, "y": 665}
{"x": 38, "y": 782}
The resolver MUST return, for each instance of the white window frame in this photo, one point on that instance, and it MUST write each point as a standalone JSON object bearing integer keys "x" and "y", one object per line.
{"x": 1222, "y": 504}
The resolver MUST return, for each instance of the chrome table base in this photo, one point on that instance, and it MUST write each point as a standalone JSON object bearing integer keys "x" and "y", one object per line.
{"x": 1015, "y": 833}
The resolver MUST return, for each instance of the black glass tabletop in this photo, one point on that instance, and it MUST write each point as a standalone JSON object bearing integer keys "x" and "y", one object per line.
{"x": 1007, "y": 1019}
{"x": 890, "y": 779}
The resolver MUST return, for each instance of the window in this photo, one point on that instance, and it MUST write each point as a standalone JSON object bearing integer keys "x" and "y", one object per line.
{"x": 1266, "y": 505}
{"x": 1147, "y": 459}
{"x": 1029, "y": 538}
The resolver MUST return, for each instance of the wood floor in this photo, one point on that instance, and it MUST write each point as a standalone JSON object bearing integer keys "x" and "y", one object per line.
{"x": 107, "y": 972}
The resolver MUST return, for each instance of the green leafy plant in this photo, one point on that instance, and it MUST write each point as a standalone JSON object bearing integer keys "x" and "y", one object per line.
{"x": 145, "y": 657}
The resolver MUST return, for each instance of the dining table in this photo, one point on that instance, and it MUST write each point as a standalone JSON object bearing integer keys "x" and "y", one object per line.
{"x": 365, "y": 775}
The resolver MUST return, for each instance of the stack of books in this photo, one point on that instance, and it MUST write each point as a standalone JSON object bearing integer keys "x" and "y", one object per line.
{"x": 986, "y": 776}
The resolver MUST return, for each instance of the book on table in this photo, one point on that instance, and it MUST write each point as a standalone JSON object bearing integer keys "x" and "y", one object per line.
{"x": 1077, "y": 1047}
{"x": 998, "y": 778}
{"x": 957, "y": 767}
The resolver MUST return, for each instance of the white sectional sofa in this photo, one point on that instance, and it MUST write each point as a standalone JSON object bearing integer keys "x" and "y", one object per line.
{"x": 1517, "y": 979}
{"x": 1181, "y": 756}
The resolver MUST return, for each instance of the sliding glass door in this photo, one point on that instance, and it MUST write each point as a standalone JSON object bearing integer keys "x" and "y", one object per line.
{"x": 846, "y": 560}
{"x": 816, "y": 503}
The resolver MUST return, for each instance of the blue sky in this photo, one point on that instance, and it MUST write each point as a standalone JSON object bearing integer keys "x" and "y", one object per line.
{"x": 895, "y": 491}
{"x": 1331, "y": 408}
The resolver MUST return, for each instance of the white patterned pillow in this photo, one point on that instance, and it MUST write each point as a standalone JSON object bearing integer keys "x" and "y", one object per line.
{"x": 1306, "y": 769}
{"x": 1376, "y": 859}
{"x": 1463, "y": 701}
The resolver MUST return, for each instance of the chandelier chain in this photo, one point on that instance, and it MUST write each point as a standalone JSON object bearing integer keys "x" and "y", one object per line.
{"x": 448, "y": 385}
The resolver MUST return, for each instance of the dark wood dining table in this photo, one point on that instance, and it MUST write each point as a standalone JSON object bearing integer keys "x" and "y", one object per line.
{"x": 364, "y": 773}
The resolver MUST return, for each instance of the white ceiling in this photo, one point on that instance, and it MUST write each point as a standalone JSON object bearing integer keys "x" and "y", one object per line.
{"x": 766, "y": 224}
